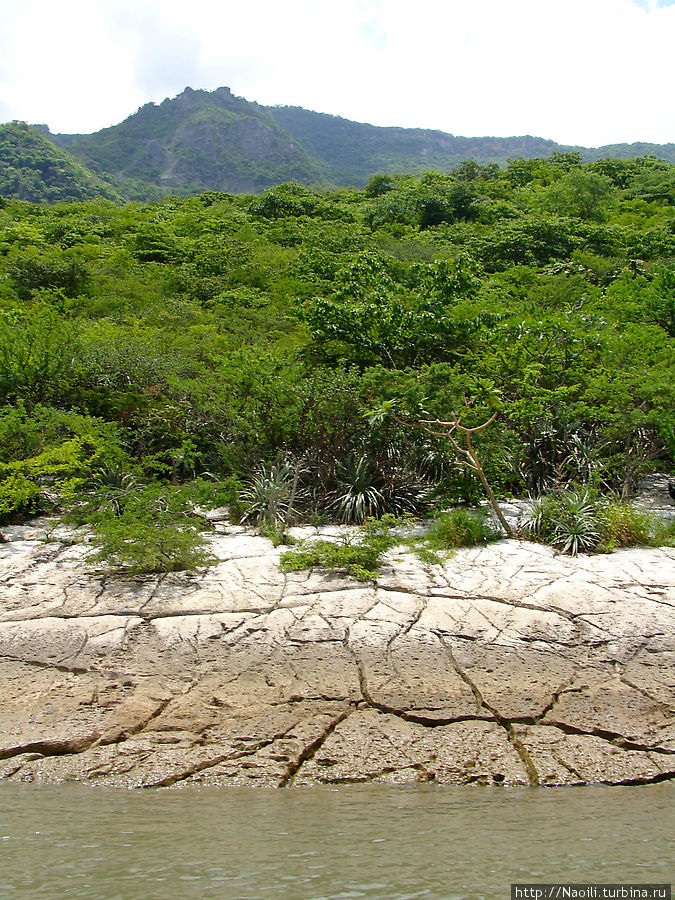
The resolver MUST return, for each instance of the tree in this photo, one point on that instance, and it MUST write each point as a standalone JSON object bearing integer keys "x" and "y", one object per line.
{"x": 460, "y": 437}
{"x": 379, "y": 184}
{"x": 372, "y": 319}
{"x": 582, "y": 194}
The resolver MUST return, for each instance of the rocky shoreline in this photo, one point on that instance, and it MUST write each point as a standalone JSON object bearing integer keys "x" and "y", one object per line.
{"x": 509, "y": 664}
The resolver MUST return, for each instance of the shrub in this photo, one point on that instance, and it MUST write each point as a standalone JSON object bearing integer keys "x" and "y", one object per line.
{"x": 211, "y": 493}
{"x": 39, "y": 349}
{"x": 574, "y": 521}
{"x": 367, "y": 488}
{"x": 20, "y": 497}
{"x": 52, "y": 477}
{"x": 359, "y": 555}
{"x": 155, "y": 530}
{"x": 132, "y": 546}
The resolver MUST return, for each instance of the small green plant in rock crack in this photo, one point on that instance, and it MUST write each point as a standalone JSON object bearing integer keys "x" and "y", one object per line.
{"x": 359, "y": 554}
{"x": 450, "y": 530}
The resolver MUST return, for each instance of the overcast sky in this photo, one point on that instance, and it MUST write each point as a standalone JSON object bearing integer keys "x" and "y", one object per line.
{"x": 584, "y": 72}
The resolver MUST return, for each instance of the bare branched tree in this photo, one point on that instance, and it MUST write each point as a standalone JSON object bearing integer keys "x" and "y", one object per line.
{"x": 455, "y": 432}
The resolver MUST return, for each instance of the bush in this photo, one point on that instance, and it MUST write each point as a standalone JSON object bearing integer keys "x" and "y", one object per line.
{"x": 155, "y": 530}
{"x": 54, "y": 476}
{"x": 20, "y": 497}
{"x": 129, "y": 545}
{"x": 358, "y": 498}
{"x": 39, "y": 349}
{"x": 574, "y": 521}
{"x": 359, "y": 555}
{"x": 210, "y": 494}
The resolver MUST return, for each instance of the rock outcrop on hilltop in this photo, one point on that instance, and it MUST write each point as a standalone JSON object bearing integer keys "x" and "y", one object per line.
{"x": 509, "y": 664}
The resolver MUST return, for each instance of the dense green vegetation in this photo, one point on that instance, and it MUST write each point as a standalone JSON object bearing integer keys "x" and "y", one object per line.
{"x": 228, "y": 348}
{"x": 214, "y": 140}
{"x": 33, "y": 169}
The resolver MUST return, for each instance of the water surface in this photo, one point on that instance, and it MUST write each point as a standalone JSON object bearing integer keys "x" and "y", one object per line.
{"x": 371, "y": 841}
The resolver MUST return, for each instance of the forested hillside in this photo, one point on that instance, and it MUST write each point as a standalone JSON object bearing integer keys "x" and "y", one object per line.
{"x": 33, "y": 169}
{"x": 214, "y": 140}
{"x": 195, "y": 141}
{"x": 277, "y": 351}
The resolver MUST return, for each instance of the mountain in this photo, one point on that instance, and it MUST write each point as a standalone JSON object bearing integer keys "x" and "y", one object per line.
{"x": 33, "y": 169}
{"x": 350, "y": 152}
{"x": 198, "y": 141}
{"x": 214, "y": 140}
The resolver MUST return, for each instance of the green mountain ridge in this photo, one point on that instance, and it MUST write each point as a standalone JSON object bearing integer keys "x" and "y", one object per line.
{"x": 213, "y": 140}
{"x": 197, "y": 141}
{"x": 353, "y": 151}
{"x": 32, "y": 168}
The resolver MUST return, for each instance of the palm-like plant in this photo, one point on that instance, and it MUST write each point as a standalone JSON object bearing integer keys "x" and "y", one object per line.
{"x": 357, "y": 497}
{"x": 567, "y": 520}
{"x": 270, "y": 495}
{"x": 114, "y": 486}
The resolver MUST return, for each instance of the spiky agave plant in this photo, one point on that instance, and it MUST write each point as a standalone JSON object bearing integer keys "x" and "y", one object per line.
{"x": 576, "y": 527}
{"x": 269, "y": 495}
{"x": 534, "y": 521}
{"x": 113, "y": 487}
{"x": 568, "y": 520}
{"x": 357, "y": 496}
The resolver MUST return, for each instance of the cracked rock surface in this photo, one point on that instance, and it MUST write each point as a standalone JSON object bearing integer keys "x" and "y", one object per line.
{"x": 509, "y": 664}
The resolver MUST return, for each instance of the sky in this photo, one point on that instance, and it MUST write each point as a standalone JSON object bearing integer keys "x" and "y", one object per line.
{"x": 584, "y": 72}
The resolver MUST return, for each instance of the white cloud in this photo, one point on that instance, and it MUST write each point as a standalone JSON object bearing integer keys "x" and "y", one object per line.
{"x": 586, "y": 71}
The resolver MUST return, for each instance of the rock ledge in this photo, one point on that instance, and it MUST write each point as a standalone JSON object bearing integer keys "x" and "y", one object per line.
{"x": 508, "y": 665}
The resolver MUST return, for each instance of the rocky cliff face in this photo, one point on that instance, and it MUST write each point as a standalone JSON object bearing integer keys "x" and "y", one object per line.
{"x": 507, "y": 665}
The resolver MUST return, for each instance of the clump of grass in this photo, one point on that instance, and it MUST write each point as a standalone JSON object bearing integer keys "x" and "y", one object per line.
{"x": 458, "y": 528}
{"x": 663, "y": 534}
{"x": 622, "y": 525}
{"x": 277, "y": 534}
{"x": 461, "y": 528}
{"x": 359, "y": 555}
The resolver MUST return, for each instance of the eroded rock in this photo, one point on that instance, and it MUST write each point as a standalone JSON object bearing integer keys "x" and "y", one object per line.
{"x": 509, "y": 664}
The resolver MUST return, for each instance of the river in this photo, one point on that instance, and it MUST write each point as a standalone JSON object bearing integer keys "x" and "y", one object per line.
{"x": 358, "y": 841}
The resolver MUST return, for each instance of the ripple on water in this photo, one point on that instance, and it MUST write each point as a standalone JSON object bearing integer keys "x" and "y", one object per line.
{"x": 375, "y": 841}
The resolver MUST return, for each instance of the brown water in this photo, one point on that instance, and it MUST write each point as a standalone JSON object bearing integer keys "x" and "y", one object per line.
{"x": 389, "y": 843}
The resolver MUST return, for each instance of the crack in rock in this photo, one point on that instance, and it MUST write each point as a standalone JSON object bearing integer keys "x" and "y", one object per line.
{"x": 612, "y": 737}
{"x": 506, "y": 724}
{"x": 63, "y": 747}
{"x": 39, "y": 664}
{"x": 177, "y": 777}
{"x": 311, "y": 749}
